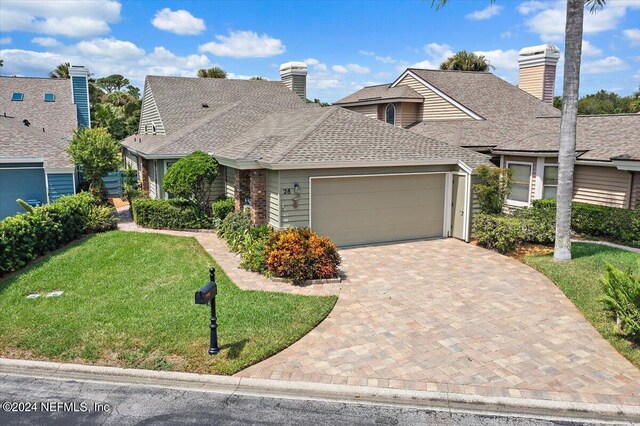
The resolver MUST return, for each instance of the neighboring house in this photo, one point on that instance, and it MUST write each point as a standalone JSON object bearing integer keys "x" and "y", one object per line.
{"x": 518, "y": 126}
{"x": 294, "y": 164}
{"x": 37, "y": 120}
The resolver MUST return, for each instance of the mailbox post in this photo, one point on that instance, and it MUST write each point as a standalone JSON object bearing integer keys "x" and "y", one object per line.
{"x": 207, "y": 294}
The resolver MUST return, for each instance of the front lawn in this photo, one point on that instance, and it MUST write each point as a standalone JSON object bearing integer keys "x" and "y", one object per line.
{"x": 580, "y": 282}
{"x": 129, "y": 301}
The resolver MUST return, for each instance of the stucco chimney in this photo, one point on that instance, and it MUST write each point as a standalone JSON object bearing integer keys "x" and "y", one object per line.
{"x": 538, "y": 70}
{"x": 294, "y": 75}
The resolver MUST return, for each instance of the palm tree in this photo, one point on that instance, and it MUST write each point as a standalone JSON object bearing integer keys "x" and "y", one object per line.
{"x": 466, "y": 61}
{"x": 61, "y": 71}
{"x": 215, "y": 72}
{"x": 569, "y": 120}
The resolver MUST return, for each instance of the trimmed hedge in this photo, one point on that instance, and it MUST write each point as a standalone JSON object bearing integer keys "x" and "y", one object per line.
{"x": 611, "y": 223}
{"x": 497, "y": 232}
{"x": 174, "y": 213}
{"x": 221, "y": 208}
{"x": 25, "y": 236}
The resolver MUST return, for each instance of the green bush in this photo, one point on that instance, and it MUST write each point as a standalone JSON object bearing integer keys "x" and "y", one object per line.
{"x": 252, "y": 248}
{"x": 26, "y": 236}
{"x": 622, "y": 298}
{"x": 221, "y": 208}
{"x": 501, "y": 233}
{"x": 538, "y": 225}
{"x": 174, "y": 213}
{"x": 493, "y": 188}
{"x": 191, "y": 178}
{"x": 300, "y": 254}
{"x": 234, "y": 227}
{"x": 611, "y": 223}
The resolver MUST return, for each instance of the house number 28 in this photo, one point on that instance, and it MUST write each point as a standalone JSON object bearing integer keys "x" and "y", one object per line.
{"x": 286, "y": 191}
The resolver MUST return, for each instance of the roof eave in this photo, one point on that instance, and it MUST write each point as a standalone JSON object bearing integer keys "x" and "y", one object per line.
{"x": 379, "y": 101}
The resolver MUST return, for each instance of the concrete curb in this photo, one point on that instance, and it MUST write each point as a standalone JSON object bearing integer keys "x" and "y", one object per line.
{"x": 322, "y": 391}
{"x": 608, "y": 244}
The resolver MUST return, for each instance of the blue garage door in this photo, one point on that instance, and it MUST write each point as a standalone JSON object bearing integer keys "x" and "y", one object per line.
{"x": 28, "y": 184}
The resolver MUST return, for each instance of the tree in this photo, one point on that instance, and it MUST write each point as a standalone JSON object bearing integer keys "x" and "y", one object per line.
{"x": 466, "y": 61}
{"x": 133, "y": 91}
{"x": 61, "y": 71}
{"x": 493, "y": 188}
{"x": 1, "y": 63}
{"x": 112, "y": 119}
{"x": 215, "y": 72}
{"x": 114, "y": 82}
{"x": 257, "y": 77}
{"x": 191, "y": 177}
{"x": 602, "y": 102}
{"x": 97, "y": 153}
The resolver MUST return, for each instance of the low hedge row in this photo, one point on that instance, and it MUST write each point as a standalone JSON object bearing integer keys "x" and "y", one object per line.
{"x": 25, "y": 236}
{"x": 297, "y": 254}
{"x": 169, "y": 214}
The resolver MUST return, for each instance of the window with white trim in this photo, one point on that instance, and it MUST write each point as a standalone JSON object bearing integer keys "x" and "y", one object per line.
{"x": 550, "y": 181}
{"x": 521, "y": 183}
{"x": 390, "y": 114}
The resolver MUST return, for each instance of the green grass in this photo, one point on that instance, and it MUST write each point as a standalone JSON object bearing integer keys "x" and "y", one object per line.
{"x": 129, "y": 301}
{"x": 580, "y": 282}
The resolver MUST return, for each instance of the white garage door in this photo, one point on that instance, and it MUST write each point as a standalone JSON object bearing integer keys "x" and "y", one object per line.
{"x": 373, "y": 209}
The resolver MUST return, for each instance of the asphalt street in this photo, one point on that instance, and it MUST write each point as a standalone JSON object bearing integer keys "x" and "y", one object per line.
{"x": 29, "y": 400}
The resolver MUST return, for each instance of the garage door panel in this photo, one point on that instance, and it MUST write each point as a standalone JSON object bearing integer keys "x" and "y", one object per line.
{"x": 358, "y": 210}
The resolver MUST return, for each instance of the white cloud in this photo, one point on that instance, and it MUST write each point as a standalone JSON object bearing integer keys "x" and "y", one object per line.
{"x": 383, "y": 59}
{"x": 64, "y": 17}
{"x": 358, "y": 69}
{"x": 244, "y": 44}
{"x": 633, "y": 35}
{"x": 5, "y": 40}
{"x": 530, "y": 6}
{"x": 589, "y": 49}
{"x": 179, "y": 22}
{"x": 45, "y": 41}
{"x": 506, "y": 34}
{"x": 502, "y": 60}
{"x": 316, "y": 64}
{"x": 111, "y": 48}
{"x": 484, "y": 14}
{"x": 340, "y": 69}
{"x": 549, "y": 23}
{"x": 608, "y": 64}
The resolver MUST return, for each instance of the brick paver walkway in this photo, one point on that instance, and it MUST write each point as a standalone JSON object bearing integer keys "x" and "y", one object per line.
{"x": 447, "y": 316}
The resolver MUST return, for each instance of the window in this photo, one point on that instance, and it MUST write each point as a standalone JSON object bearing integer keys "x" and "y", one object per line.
{"x": 17, "y": 96}
{"x": 390, "y": 114}
{"x": 49, "y": 97}
{"x": 521, "y": 185}
{"x": 550, "y": 181}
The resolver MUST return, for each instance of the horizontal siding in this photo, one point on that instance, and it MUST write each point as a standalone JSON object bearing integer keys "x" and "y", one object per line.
{"x": 81, "y": 100}
{"x": 370, "y": 111}
{"x": 131, "y": 160}
{"x": 273, "y": 198}
{"x": 299, "y": 216}
{"x": 149, "y": 114}
{"x": 228, "y": 181}
{"x": 606, "y": 186}
{"x": 59, "y": 184}
{"x": 434, "y": 107}
{"x": 409, "y": 113}
{"x": 531, "y": 80}
{"x": 218, "y": 187}
{"x": 152, "y": 178}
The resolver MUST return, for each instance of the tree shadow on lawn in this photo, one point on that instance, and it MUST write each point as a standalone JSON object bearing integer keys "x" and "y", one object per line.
{"x": 38, "y": 262}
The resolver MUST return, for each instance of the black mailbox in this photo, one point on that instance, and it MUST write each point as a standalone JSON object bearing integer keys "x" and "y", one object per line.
{"x": 208, "y": 291}
{"x": 207, "y": 294}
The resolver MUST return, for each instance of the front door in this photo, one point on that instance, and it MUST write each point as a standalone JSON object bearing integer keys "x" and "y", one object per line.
{"x": 458, "y": 206}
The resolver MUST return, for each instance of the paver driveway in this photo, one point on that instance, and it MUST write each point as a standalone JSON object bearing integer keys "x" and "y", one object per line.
{"x": 446, "y": 316}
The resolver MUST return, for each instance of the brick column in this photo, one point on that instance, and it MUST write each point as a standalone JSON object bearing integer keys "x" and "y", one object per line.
{"x": 241, "y": 190}
{"x": 144, "y": 174}
{"x": 635, "y": 190}
{"x": 258, "y": 191}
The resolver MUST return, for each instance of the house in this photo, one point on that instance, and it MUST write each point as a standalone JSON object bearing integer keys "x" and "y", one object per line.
{"x": 38, "y": 117}
{"x": 291, "y": 163}
{"x": 517, "y": 126}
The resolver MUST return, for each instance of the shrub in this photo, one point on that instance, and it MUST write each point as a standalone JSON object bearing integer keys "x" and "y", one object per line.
{"x": 493, "y": 189}
{"x": 538, "y": 225}
{"x": 25, "y": 236}
{"x": 234, "y": 227}
{"x": 252, "y": 249}
{"x": 622, "y": 297}
{"x": 221, "y": 208}
{"x": 300, "y": 254}
{"x": 191, "y": 178}
{"x": 175, "y": 213}
{"x": 501, "y": 233}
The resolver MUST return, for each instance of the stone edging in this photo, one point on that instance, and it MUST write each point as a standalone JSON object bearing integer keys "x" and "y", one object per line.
{"x": 307, "y": 282}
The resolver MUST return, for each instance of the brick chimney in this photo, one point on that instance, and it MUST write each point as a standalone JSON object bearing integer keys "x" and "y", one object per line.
{"x": 538, "y": 70}
{"x": 294, "y": 75}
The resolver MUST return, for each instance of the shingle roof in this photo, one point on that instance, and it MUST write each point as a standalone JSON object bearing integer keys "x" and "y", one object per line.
{"x": 380, "y": 92}
{"x": 59, "y": 118}
{"x": 278, "y": 129}
{"x": 18, "y": 140}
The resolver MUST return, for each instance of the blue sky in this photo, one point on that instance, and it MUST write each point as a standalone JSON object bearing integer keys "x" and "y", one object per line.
{"x": 346, "y": 44}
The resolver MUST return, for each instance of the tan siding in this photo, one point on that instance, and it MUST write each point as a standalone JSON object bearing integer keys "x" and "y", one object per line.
{"x": 273, "y": 198}
{"x": 635, "y": 191}
{"x": 370, "y": 111}
{"x": 410, "y": 113}
{"x": 605, "y": 186}
{"x": 228, "y": 181}
{"x": 538, "y": 81}
{"x": 149, "y": 114}
{"x": 434, "y": 107}
{"x": 299, "y": 216}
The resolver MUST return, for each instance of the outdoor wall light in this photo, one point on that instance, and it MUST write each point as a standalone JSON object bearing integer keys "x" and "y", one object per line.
{"x": 296, "y": 188}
